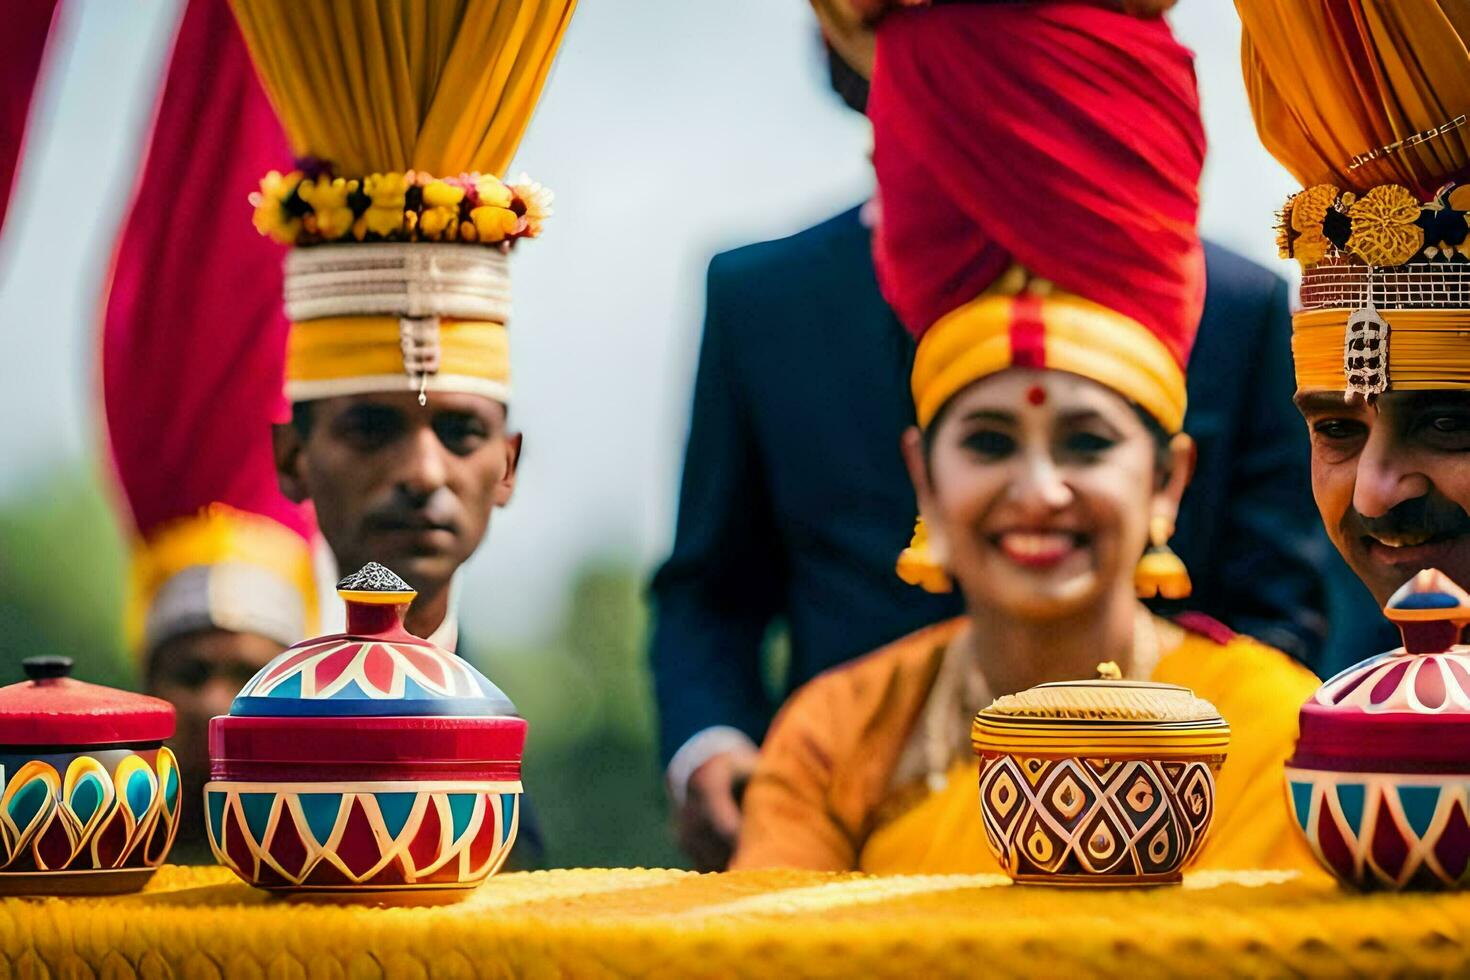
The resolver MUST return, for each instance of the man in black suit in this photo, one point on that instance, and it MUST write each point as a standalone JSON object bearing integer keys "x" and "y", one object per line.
{"x": 795, "y": 501}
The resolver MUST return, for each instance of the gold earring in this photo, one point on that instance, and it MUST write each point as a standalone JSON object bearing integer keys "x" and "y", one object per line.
{"x": 921, "y": 564}
{"x": 1160, "y": 572}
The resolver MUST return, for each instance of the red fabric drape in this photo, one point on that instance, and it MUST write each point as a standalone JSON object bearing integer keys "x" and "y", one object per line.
{"x": 22, "y": 48}
{"x": 1063, "y": 136}
{"x": 193, "y": 337}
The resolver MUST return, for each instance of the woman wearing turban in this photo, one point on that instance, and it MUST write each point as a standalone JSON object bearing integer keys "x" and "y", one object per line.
{"x": 1038, "y": 170}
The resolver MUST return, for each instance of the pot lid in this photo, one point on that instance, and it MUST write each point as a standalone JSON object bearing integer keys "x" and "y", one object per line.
{"x": 1405, "y": 710}
{"x": 51, "y": 708}
{"x": 1106, "y": 713}
{"x": 374, "y": 669}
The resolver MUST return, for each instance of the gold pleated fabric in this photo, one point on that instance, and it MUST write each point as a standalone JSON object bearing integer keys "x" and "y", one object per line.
{"x": 1330, "y": 80}
{"x": 1427, "y": 352}
{"x": 438, "y": 86}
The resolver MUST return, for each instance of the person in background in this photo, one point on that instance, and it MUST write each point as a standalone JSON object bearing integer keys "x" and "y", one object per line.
{"x": 399, "y": 468}
{"x": 397, "y": 287}
{"x": 1380, "y": 227}
{"x": 1048, "y": 457}
{"x": 795, "y": 501}
{"x": 227, "y": 569}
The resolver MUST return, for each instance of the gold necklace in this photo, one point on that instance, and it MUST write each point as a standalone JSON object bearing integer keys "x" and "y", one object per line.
{"x": 960, "y": 691}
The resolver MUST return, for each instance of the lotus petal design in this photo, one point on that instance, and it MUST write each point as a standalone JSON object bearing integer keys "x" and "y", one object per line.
{"x": 89, "y": 819}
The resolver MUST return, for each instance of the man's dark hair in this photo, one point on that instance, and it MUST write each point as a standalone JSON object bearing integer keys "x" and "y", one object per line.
{"x": 301, "y": 418}
{"x": 847, "y": 82}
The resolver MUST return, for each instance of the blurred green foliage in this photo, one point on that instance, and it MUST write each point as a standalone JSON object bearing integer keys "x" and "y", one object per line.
{"x": 591, "y": 767}
{"x": 63, "y": 566}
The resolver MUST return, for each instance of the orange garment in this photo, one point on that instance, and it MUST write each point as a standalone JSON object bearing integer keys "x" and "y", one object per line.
{"x": 820, "y": 797}
{"x": 1331, "y": 82}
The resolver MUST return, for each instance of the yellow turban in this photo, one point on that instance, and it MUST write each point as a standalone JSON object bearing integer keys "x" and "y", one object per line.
{"x": 405, "y": 116}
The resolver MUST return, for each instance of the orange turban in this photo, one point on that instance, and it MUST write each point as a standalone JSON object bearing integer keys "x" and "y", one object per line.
{"x": 1366, "y": 102}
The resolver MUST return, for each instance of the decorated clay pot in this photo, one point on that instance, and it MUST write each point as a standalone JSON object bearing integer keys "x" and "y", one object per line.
{"x": 91, "y": 799}
{"x": 1103, "y": 782}
{"x": 370, "y": 765}
{"x": 1380, "y": 777}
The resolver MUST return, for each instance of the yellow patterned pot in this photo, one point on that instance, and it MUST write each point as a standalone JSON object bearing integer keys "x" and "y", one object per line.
{"x": 1102, "y": 782}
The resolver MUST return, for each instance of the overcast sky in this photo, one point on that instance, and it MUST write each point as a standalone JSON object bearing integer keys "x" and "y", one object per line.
{"x": 670, "y": 130}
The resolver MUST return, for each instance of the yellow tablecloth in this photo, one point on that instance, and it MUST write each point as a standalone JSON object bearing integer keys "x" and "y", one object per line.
{"x": 198, "y": 922}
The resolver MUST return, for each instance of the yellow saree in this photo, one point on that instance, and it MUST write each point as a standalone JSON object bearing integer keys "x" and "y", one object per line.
{"x": 821, "y": 798}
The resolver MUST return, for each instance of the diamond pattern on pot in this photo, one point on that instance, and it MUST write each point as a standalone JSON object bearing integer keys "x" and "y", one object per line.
{"x": 1091, "y": 817}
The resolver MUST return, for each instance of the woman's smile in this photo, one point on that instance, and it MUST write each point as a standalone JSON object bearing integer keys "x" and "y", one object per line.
{"x": 1039, "y": 548}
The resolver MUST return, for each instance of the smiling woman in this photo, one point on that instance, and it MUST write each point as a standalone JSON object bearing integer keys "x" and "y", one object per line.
{"x": 1050, "y": 503}
{"x": 1049, "y": 460}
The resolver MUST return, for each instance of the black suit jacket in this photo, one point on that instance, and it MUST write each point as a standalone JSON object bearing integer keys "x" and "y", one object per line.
{"x": 795, "y": 501}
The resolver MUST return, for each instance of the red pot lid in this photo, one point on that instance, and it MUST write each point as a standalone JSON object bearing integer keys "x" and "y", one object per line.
{"x": 373, "y": 703}
{"x": 1403, "y": 711}
{"x": 50, "y": 708}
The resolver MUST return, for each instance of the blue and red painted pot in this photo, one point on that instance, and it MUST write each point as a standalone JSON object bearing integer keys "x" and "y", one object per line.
{"x": 90, "y": 804}
{"x": 366, "y": 765}
{"x": 1380, "y": 782}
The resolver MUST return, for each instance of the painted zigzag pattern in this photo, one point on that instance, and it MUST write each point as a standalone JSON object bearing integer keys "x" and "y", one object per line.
{"x": 326, "y": 836}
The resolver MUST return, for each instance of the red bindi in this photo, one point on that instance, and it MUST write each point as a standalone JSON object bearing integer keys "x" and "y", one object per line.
{"x": 1036, "y": 395}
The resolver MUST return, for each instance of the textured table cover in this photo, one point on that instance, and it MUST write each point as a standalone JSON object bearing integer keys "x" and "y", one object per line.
{"x": 198, "y": 922}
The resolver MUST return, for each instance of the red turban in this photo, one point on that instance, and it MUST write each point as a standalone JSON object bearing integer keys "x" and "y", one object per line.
{"x": 1061, "y": 137}
{"x": 22, "y": 48}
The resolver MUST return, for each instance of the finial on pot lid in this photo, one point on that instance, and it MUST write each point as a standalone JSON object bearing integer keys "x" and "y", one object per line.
{"x": 47, "y": 667}
{"x": 377, "y": 601}
{"x": 377, "y": 585}
{"x": 1431, "y": 612}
